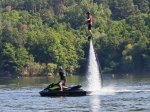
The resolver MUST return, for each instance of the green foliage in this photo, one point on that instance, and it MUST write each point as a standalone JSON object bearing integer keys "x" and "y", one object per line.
{"x": 143, "y": 5}
{"x": 123, "y": 9}
{"x": 51, "y": 67}
{"x": 13, "y": 59}
{"x": 36, "y": 36}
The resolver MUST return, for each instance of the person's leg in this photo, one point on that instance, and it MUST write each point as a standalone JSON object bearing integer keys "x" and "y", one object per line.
{"x": 90, "y": 32}
{"x": 89, "y": 28}
{"x": 61, "y": 86}
{"x": 64, "y": 83}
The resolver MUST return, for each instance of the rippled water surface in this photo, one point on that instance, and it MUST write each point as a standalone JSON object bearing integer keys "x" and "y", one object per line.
{"x": 119, "y": 94}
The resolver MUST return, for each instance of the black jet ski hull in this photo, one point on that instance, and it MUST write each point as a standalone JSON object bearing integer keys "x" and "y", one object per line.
{"x": 54, "y": 90}
{"x": 64, "y": 93}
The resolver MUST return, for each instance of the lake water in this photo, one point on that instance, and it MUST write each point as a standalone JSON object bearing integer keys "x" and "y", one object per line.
{"x": 123, "y": 93}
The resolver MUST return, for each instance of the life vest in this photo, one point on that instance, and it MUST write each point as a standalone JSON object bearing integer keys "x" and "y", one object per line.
{"x": 62, "y": 75}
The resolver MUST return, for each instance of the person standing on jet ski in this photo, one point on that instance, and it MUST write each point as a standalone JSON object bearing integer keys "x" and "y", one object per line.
{"x": 89, "y": 21}
{"x": 62, "y": 78}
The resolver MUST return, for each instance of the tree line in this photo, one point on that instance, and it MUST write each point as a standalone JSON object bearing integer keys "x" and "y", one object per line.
{"x": 36, "y": 36}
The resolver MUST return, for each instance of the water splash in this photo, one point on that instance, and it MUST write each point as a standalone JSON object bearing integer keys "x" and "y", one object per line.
{"x": 93, "y": 73}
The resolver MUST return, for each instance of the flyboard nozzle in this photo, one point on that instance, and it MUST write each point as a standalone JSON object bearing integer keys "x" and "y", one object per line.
{"x": 90, "y": 37}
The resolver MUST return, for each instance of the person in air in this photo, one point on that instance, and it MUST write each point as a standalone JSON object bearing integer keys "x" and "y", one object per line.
{"x": 89, "y": 21}
{"x": 62, "y": 75}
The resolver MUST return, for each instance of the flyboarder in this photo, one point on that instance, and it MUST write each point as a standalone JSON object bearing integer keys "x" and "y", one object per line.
{"x": 89, "y": 21}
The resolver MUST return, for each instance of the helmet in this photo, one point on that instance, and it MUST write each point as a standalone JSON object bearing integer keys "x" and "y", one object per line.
{"x": 60, "y": 67}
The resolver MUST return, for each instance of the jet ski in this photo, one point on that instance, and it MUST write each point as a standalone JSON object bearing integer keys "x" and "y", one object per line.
{"x": 53, "y": 90}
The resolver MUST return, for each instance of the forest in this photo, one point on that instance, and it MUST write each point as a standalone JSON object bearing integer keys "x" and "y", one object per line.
{"x": 37, "y": 36}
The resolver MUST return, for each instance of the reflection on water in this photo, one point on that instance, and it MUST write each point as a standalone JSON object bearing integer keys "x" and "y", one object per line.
{"x": 95, "y": 103}
{"x": 120, "y": 94}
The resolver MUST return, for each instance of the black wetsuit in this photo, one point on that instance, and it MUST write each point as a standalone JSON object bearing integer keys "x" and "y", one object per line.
{"x": 62, "y": 75}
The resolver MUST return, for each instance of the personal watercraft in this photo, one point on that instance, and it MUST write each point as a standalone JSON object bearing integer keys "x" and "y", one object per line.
{"x": 54, "y": 90}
